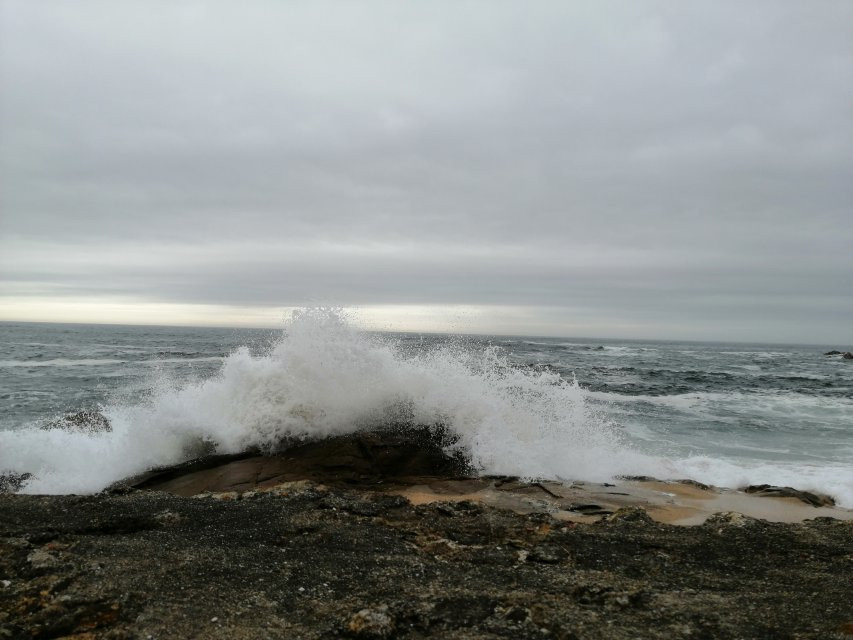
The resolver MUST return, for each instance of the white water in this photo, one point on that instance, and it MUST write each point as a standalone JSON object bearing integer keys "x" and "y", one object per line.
{"x": 325, "y": 378}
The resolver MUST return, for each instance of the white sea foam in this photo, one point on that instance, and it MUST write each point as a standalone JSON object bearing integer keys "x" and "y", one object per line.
{"x": 833, "y": 479}
{"x": 325, "y": 378}
{"x": 788, "y": 405}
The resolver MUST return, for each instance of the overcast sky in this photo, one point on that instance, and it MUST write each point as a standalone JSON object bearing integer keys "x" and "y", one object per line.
{"x": 635, "y": 169}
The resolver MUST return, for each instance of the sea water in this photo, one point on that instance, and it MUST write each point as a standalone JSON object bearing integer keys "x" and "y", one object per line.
{"x": 560, "y": 408}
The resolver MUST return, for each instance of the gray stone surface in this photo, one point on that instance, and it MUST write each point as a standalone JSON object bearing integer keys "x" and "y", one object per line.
{"x": 308, "y": 561}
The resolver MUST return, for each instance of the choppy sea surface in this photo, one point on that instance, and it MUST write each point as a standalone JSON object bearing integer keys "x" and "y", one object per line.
{"x": 564, "y": 408}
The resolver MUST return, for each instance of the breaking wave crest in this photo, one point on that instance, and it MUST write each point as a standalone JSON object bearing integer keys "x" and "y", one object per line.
{"x": 323, "y": 377}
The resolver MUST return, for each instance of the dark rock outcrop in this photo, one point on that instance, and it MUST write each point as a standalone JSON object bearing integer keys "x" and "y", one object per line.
{"x": 361, "y": 459}
{"x": 845, "y": 355}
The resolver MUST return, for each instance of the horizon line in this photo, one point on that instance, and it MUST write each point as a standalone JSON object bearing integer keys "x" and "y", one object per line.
{"x": 421, "y": 332}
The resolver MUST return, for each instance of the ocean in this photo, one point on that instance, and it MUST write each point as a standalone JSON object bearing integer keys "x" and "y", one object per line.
{"x": 559, "y": 408}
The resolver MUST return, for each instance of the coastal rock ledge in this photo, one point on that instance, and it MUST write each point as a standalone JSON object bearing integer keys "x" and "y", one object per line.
{"x": 308, "y": 561}
{"x": 343, "y": 557}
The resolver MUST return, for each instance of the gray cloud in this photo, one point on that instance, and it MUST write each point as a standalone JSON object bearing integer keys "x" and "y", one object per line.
{"x": 623, "y": 161}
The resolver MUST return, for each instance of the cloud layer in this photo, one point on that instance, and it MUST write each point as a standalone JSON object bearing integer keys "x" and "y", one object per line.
{"x": 607, "y": 164}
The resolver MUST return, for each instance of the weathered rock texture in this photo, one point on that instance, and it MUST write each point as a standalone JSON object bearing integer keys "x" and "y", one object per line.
{"x": 306, "y": 561}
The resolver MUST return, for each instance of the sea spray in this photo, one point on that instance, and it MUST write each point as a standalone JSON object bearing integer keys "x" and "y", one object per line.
{"x": 322, "y": 378}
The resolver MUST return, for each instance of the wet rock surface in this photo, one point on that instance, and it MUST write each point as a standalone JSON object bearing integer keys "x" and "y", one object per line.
{"x": 306, "y": 560}
{"x": 361, "y": 459}
{"x": 814, "y": 499}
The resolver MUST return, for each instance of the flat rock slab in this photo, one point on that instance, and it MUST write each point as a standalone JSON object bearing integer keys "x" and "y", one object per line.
{"x": 414, "y": 463}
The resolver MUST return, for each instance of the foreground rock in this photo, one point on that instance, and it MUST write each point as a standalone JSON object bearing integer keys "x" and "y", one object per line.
{"x": 385, "y": 535}
{"x": 309, "y": 561}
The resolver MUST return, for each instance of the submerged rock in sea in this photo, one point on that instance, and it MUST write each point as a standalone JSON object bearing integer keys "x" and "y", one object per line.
{"x": 845, "y": 355}
{"x": 84, "y": 420}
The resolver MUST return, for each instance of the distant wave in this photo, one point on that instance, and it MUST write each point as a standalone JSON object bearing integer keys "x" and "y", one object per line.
{"x": 99, "y": 362}
{"x": 62, "y": 362}
{"x": 802, "y": 405}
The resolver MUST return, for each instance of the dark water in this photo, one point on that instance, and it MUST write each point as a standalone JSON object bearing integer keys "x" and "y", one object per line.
{"x": 772, "y": 401}
{"x": 49, "y": 369}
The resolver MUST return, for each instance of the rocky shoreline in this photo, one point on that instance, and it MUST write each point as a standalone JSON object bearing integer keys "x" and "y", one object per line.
{"x": 344, "y": 548}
